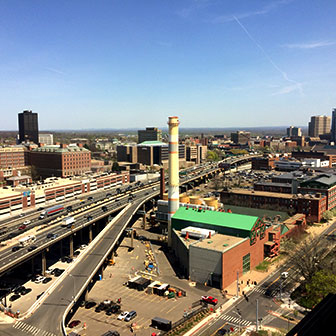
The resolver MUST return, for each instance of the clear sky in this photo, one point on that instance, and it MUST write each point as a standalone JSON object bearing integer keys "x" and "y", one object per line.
{"x": 132, "y": 63}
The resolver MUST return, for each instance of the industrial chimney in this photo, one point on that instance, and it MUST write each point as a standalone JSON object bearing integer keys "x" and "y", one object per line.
{"x": 173, "y": 191}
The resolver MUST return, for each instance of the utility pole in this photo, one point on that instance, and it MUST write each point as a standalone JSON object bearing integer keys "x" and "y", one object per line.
{"x": 257, "y": 319}
{"x": 237, "y": 284}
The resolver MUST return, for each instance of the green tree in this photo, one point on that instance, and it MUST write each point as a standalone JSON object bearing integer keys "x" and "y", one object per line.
{"x": 322, "y": 283}
{"x": 327, "y": 215}
{"x": 116, "y": 167}
{"x": 309, "y": 257}
{"x": 212, "y": 156}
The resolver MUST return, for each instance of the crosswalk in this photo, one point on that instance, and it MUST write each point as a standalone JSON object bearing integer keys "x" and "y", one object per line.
{"x": 263, "y": 290}
{"x": 236, "y": 320}
{"x": 29, "y": 329}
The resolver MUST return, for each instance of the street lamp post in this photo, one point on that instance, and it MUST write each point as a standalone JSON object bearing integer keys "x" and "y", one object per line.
{"x": 73, "y": 295}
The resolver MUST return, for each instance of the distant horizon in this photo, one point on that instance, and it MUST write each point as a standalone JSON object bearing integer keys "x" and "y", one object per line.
{"x": 181, "y": 129}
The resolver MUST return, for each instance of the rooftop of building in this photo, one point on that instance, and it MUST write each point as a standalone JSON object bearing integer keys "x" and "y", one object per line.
{"x": 218, "y": 242}
{"x": 273, "y": 184}
{"x": 328, "y": 180}
{"x": 272, "y": 194}
{"x": 223, "y": 219}
{"x": 60, "y": 149}
{"x": 261, "y": 213}
{"x": 153, "y": 143}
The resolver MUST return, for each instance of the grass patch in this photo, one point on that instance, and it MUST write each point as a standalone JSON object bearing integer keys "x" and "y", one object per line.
{"x": 263, "y": 266}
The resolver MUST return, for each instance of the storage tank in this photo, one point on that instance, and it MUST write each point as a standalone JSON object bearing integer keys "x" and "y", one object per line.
{"x": 184, "y": 199}
{"x": 165, "y": 196}
{"x": 195, "y": 200}
{"x": 211, "y": 201}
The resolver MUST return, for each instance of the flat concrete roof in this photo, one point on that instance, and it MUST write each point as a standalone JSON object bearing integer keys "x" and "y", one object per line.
{"x": 218, "y": 242}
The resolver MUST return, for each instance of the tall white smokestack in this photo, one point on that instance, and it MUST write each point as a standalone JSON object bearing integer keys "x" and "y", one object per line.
{"x": 173, "y": 191}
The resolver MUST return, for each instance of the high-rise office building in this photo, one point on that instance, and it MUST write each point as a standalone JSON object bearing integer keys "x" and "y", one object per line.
{"x": 28, "y": 127}
{"x": 333, "y": 125}
{"x": 294, "y": 131}
{"x": 319, "y": 125}
{"x": 149, "y": 134}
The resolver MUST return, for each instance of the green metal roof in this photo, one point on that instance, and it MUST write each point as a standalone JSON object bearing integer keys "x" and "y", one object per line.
{"x": 152, "y": 143}
{"x": 241, "y": 222}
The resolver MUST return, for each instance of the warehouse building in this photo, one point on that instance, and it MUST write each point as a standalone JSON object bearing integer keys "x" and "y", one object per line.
{"x": 212, "y": 247}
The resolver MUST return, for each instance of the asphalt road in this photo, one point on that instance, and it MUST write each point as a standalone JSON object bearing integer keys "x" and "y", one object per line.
{"x": 46, "y": 321}
{"x": 243, "y": 313}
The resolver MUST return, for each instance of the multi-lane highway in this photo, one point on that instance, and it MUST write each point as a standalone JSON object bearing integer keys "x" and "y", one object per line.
{"x": 48, "y": 318}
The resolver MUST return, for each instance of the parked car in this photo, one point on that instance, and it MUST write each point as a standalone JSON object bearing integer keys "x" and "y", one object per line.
{"x": 130, "y": 316}
{"x": 209, "y": 299}
{"x": 74, "y": 323}
{"x": 100, "y": 307}
{"x": 76, "y": 253}
{"x": 26, "y": 291}
{"x": 39, "y": 279}
{"x": 122, "y": 315}
{"x": 57, "y": 272}
{"x": 90, "y": 304}
{"x": 112, "y": 308}
{"x": 14, "y": 297}
{"x": 111, "y": 333}
{"x": 46, "y": 280}
{"x": 19, "y": 289}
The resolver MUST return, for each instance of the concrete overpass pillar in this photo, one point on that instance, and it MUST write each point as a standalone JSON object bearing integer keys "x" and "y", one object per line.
{"x": 44, "y": 262}
{"x": 144, "y": 216}
{"x": 71, "y": 247}
{"x": 81, "y": 235}
{"x": 90, "y": 233}
{"x": 61, "y": 248}
{"x": 33, "y": 268}
{"x": 86, "y": 295}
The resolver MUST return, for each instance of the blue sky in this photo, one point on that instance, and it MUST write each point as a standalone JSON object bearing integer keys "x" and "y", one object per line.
{"x": 130, "y": 63}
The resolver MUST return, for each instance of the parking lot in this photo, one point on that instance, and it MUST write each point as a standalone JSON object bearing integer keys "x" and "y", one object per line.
{"x": 112, "y": 286}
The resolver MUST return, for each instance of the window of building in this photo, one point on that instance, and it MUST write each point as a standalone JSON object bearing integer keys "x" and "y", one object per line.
{"x": 246, "y": 263}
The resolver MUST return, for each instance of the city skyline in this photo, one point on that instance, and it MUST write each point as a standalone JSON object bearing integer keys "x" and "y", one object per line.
{"x": 124, "y": 65}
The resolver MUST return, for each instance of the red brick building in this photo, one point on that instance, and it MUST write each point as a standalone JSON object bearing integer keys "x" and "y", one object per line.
{"x": 264, "y": 163}
{"x": 313, "y": 206}
{"x": 60, "y": 160}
